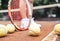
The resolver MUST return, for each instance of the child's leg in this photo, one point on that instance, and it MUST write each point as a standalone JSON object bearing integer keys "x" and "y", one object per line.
{"x": 26, "y": 20}
{"x": 23, "y": 12}
{"x": 23, "y": 9}
{"x": 31, "y": 10}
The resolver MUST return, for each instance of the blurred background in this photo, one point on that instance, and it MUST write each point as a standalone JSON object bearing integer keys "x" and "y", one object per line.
{"x": 42, "y": 14}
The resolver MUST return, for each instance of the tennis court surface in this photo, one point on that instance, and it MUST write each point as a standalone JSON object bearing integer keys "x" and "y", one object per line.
{"x": 47, "y": 27}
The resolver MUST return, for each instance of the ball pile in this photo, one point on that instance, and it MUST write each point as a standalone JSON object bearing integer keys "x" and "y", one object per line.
{"x": 57, "y": 28}
{"x": 5, "y": 29}
{"x": 34, "y": 29}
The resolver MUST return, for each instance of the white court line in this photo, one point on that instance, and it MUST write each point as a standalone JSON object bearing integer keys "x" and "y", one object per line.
{"x": 46, "y": 38}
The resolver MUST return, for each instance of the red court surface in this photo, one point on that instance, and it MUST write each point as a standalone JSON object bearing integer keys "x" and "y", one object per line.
{"x": 47, "y": 27}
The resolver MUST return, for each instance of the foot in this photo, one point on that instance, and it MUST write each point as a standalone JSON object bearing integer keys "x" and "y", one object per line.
{"x": 24, "y": 24}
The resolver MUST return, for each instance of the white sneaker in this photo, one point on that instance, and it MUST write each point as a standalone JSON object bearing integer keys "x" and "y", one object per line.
{"x": 24, "y": 23}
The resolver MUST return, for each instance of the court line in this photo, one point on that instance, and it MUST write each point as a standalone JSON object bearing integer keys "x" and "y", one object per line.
{"x": 51, "y": 33}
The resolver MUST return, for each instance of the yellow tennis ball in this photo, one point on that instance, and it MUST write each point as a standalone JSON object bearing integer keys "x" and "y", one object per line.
{"x": 11, "y": 28}
{"x": 3, "y": 30}
{"x": 57, "y": 28}
{"x": 34, "y": 29}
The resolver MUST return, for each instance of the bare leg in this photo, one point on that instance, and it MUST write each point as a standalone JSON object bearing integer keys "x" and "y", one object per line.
{"x": 23, "y": 9}
{"x": 31, "y": 10}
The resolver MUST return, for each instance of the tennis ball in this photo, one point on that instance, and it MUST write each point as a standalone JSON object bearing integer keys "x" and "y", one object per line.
{"x": 34, "y": 29}
{"x": 11, "y": 28}
{"x": 3, "y": 30}
{"x": 57, "y": 28}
